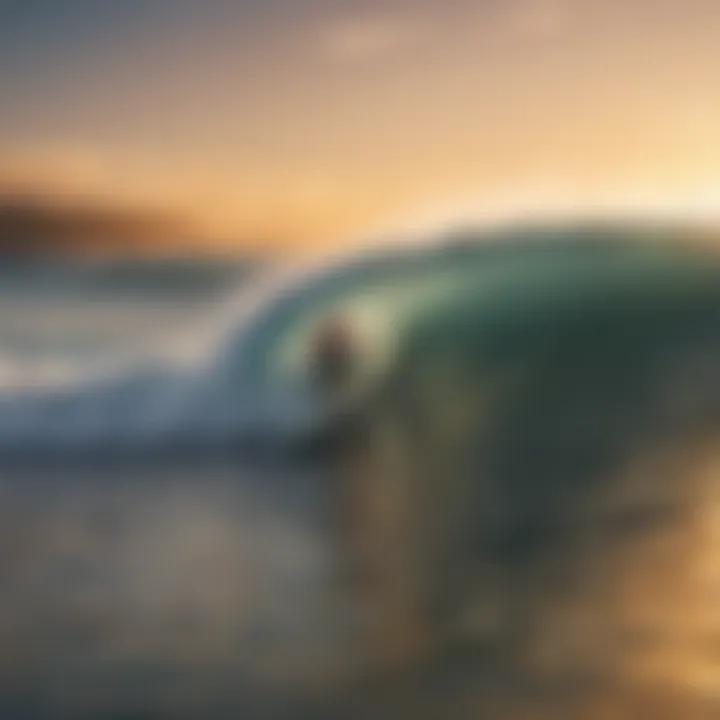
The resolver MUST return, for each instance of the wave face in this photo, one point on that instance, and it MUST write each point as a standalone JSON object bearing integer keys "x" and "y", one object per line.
{"x": 563, "y": 411}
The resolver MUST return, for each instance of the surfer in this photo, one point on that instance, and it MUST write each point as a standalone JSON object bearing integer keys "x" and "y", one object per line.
{"x": 332, "y": 356}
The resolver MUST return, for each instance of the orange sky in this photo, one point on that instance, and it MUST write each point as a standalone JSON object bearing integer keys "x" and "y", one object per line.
{"x": 306, "y": 122}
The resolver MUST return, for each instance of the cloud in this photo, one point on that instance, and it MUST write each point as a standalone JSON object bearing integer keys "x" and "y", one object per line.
{"x": 540, "y": 19}
{"x": 368, "y": 37}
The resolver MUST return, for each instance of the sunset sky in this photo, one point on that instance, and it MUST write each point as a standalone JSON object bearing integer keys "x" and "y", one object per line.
{"x": 303, "y": 123}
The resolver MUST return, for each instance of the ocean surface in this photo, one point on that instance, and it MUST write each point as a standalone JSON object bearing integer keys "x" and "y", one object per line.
{"x": 63, "y": 318}
{"x": 525, "y": 525}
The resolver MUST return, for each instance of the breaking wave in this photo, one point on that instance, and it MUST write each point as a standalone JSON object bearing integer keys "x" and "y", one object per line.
{"x": 554, "y": 405}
